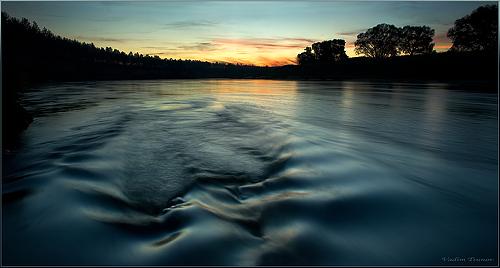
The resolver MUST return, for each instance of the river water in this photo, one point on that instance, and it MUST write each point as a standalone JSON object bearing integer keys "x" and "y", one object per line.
{"x": 253, "y": 172}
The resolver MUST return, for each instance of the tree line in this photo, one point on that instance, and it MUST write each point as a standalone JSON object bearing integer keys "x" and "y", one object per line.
{"x": 31, "y": 54}
{"x": 477, "y": 31}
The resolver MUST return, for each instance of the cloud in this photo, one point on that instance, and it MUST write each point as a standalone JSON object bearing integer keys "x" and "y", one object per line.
{"x": 442, "y": 42}
{"x": 190, "y": 24}
{"x": 307, "y": 40}
{"x": 202, "y": 46}
{"x": 106, "y": 39}
{"x": 353, "y": 32}
{"x": 179, "y": 49}
{"x": 268, "y": 61}
{"x": 441, "y": 38}
{"x": 266, "y": 43}
{"x": 273, "y": 51}
{"x": 157, "y": 47}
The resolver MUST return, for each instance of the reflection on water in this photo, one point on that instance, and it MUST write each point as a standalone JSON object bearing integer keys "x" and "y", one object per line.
{"x": 246, "y": 172}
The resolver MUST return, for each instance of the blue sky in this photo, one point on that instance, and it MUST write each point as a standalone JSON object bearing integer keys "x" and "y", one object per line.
{"x": 255, "y": 32}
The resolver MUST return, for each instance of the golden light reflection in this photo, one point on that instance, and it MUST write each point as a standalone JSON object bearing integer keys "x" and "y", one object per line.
{"x": 435, "y": 114}
{"x": 254, "y": 86}
{"x": 346, "y": 111}
{"x": 275, "y": 95}
{"x": 347, "y": 95}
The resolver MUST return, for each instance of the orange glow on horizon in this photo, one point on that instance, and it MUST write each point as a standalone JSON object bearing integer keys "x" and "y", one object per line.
{"x": 250, "y": 51}
{"x": 270, "y": 33}
{"x": 442, "y": 47}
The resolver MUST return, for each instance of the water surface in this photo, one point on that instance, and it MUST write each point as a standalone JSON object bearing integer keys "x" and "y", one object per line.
{"x": 252, "y": 172}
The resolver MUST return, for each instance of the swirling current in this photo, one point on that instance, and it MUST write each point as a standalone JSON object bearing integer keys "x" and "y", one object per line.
{"x": 253, "y": 172}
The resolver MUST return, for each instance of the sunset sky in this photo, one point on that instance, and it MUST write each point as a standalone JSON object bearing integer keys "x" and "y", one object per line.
{"x": 249, "y": 32}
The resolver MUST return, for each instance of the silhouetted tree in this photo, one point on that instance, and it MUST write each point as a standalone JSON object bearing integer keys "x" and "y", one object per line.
{"x": 329, "y": 51}
{"x": 416, "y": 40}
{"x": 477, "y": 31}
{"x": 380, "y": 41}
{"x": 306, "y": 57}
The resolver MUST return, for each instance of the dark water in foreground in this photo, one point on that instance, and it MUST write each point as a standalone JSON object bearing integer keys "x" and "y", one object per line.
{"x": 245, "y": 172}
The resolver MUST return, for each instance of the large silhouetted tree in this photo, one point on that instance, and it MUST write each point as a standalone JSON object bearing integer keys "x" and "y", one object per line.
{"x": 416, "y": 40}
{"x": 306, "y": 57}
{"x": 380, "y": 41}
{"x": 329, "y": 51}
{"x": 477, "y": 31}
{"x": 324, "y": 52}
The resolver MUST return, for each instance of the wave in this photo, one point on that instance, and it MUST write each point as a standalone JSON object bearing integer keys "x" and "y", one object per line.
{"x": 219, "y": 180}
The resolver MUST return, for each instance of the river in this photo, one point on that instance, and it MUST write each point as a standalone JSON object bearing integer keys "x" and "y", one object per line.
{"x": 253, "y": 172}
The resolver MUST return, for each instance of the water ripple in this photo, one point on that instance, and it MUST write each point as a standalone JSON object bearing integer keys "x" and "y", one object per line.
{"x": 309, "y": 173}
